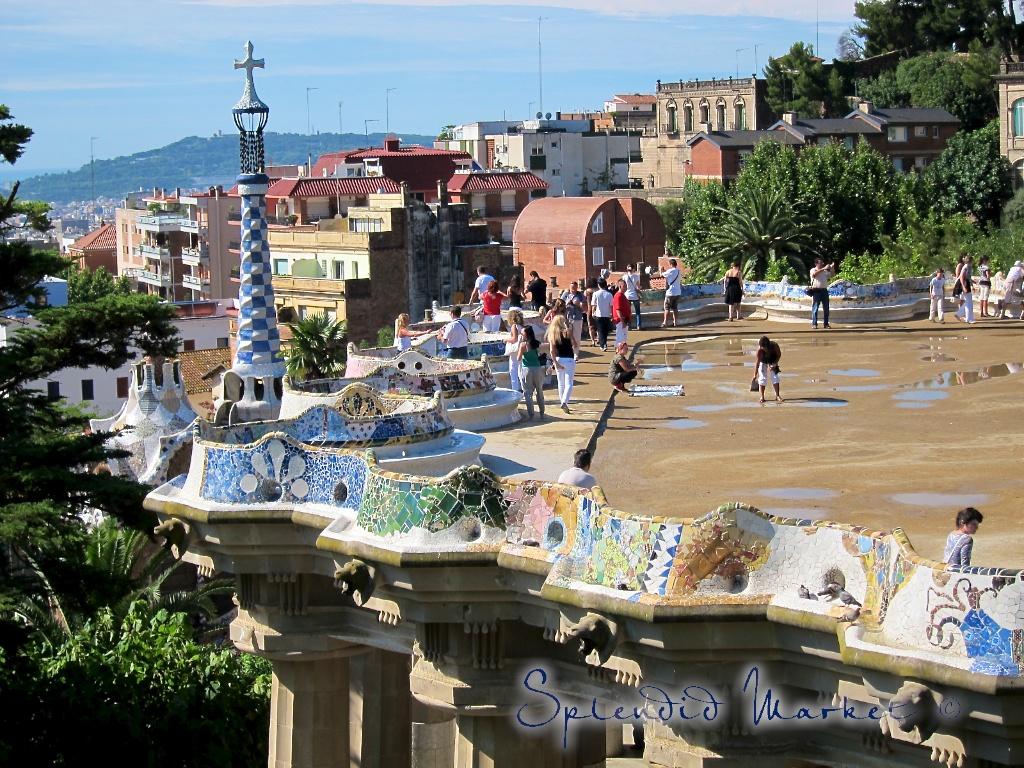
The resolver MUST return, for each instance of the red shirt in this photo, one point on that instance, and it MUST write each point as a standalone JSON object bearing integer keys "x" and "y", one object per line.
{"x": 492, "y": 302}
{"x": 622, "y": 310}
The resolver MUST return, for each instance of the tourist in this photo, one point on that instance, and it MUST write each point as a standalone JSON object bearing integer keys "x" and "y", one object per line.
{"x": 538, "y": 290}
{"x": 766, "y": 366}
{"x": 557, "y": 310}
{"x": 958, "y": 287}
{"x": 633, "y": 292}
{"x": 492, "y": 299}
{"x": 734, "y": 290}
{"x": 579, "y": 475}
{"x": 565, "y": 351}
{"x": 515, "y": 293}
{"x": 984, "y": 285}
{"x": 588, "y": 310}
{"x": 937, "y": 295}
{"x": 1012, "y": 287}
{"x": 482, "y": 281}
{"x": 515, "y": 338}
{"x": 574, "y": 311}
{"x": 601, "y": 310}
{"x": 821, "y": 274}
{"x": 960, "y": 543}
{"x": 534, "y": 366}
{"x": 404, "y": 336}
{"x": 622, "y": 309}
{"x": 455, "y": 336}
{"x": 966, "y": 311}
{"x": 673, "y": 290}
{"x": 621, "y": 371}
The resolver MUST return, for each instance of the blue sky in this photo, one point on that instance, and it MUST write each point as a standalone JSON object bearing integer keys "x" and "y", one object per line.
{"x": 139, "y": 75}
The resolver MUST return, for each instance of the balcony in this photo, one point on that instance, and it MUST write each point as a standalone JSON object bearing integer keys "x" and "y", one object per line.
{"x": 149, "y": 278}
{"x": 195, "y": 257}
{"x": 154, "y": 252}
{"x": 190, "y": 225}
{"x": 195, "y": 283}
{"x": 166, "y": 223}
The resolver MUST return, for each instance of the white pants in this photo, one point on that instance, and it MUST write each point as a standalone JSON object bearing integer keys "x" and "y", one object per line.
{"x": 967, "y": 310}
{"x": 564, "y": 372}
{"x": 621, "y": 331}
{"x": 577, "y": 330}
{"x": 766, "y": 374}
{"x": 514, "y": 370}
{"x": 935, "y": 309}
{"x": 492, "y": 323}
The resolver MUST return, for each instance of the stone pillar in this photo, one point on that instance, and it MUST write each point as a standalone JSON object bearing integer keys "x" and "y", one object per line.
{"x": 433, "y": 736}
{"x": 498, "y": 741}
{"x": 379, "y": 715}
{"x": 309, "y": 713}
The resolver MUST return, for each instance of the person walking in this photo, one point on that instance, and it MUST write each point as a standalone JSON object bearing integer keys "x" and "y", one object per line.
{"x": 574, "y": 313}
{"x": 455, "y": 336}
{"x": 482, "y": 281}
{"x": 673, "y": 290}
{"x": 557, "y": 309}
{"x": 766, "y": 366}
{"x": 532, "y": 373}
{"x": 512, "y": 344}
{"x": 958, "y": 287}
{"x": 565, "y": 352}
{"x": 633, "y": 293}
{"x": 588, "y": 310}
{"x": 515, "y": 294}
{"x": 621, "y": 310}
{"x": 966, "y": 311}
{"x": 404, "y": 336}
{"x": 1013, "y": 291}
{"x": 579, "y": 475}
{"x": 621, "y": 371}
{"x": 734, "y": 290}
{"x": 601, "y": 309}
{"x": 937, "y": 296}
{"x": 821, "y": 274}
{"x": 492, "y": 299}
{"x": 538, "y": 290}
{"x": 984, "y": 285}
{"x": 960, "y": 543}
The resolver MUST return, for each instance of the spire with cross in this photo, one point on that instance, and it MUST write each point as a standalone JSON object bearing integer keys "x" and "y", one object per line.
{"x": 250, "y": 102}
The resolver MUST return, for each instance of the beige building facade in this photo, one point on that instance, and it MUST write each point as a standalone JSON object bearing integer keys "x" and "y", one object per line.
{"x": 1011, "y": 116}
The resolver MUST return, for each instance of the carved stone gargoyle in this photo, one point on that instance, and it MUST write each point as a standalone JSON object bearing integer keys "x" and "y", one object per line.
{"x": 912, "y": 715}
{"x": 355, "y": 578}
{"x": 595, "y": 633}
{"x": 174, "y": 533}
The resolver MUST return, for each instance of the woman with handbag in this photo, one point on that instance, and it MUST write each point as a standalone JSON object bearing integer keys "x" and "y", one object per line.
{"x": 734, "y": 290}
{"x": 766, "y": 367}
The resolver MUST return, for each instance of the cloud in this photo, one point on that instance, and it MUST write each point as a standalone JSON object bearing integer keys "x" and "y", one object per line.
{"x": 798, "y": 10}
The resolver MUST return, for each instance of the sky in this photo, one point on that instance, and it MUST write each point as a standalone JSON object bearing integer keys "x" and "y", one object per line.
{"x": 139, "y": 75}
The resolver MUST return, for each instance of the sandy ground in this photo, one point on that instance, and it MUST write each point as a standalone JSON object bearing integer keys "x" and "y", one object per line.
{"x": 884, "y": 426}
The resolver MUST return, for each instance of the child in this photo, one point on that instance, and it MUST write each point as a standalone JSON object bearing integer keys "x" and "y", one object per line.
{"x": 937, "y": 294}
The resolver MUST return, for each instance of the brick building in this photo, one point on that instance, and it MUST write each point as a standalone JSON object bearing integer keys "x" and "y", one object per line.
{"x": 1010, "y": 81}
{"x": 310, "y": 199}
{"x": 96, "y": 249}
{"x": 575, "y": 238}
{"x": 496, "y": 197}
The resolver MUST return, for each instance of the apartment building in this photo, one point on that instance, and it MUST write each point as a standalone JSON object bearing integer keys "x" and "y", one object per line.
{"x": 96, "y": 249}
{"x": 633, "y": 112}
{"x": 497, "y": 197}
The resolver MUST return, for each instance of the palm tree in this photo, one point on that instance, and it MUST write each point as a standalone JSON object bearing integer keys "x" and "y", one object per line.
{"x": 760, "y": 228}
{"x": 317, "y": 348}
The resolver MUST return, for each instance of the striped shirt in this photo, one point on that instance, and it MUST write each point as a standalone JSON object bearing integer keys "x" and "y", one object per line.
{"x": 958, "y": 548}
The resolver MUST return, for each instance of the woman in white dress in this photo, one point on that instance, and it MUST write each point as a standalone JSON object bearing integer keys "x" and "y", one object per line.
{"x": 513, "y": 343}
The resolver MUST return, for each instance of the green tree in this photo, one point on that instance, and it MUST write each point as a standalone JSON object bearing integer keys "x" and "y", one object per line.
{"x": 760, "y": 228}
{"x": 799, "y": 82}
{"x": 704, "y": 203}
{"x": 317, "y": 348}
{"x": 87, "y": 285}
{"x": 43, "y": 444}
{"x": 673, "y": 216}
{"x": 971, "y": 176}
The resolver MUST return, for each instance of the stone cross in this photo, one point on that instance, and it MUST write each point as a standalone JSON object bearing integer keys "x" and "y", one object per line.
{"x": 249, "y": 64}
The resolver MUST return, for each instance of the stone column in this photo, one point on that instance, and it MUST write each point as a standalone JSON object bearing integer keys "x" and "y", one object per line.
{"x": 498, "y": 741}
{"x": 433, "y": 736}
{"x": 379, "y": 721}
{"x": 309, "y": 713}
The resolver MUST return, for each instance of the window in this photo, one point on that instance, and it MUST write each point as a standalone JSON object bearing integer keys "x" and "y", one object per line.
{"x": 87, "y": 390}
{"x": 339, "y": 270}
{"x": 189, "y": 345}
{"x": 365, "y": 225}
{"x": 53, "y": 390}
{"x": 1018, "y": 174}
{"x": 554, "y": 145}
{"x": 598, "y": 255}
{"x": 688, "y": 118}
{"x": 508, "y": 202}
{"x": 921, "y": 131}
{"x": 597, "y": 225}
{"x": 1017, "y": 110}
{"x": 705, "y": 113}
{"x": 673, "y": 123}
{"x": 898, "y": 133}
{"x": 559, "y": 257}
{"x": 920, "y": 162}
{"x": 222, "y": 342}
{"x": 122, "y": 386}
{"x": 280, "y": 266}
{"x": 538, "y": 162}
{"x": 848, "y": 142}
{"x": 720, "y": 116}
{"x": 898, "y": 163}
{"x": 740, "y": 116}
{"x": 935, "y": 131}
{"x": 355, "y": 270}
{"x": 556, "y": 171}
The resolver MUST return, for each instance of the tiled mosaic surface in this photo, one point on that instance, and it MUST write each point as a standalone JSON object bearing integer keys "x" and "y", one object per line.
{"x": 880, "y": 293}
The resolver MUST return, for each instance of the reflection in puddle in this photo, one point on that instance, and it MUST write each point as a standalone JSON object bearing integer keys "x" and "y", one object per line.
{"x": 800, "y": 513}
{"x": 912, "y": 405}
{"x": 863, "y": 373}
{"x": 862, "y": 388}
{"x": 940, "y": 499}
{"x": 742, "y": 421}
{"x": 963, "y": 378}
{"x": 696, "y": 365}
{"x": 685, "y": 424}
{"x": 819, "y": 402}
{"x": 654, "y": 371}
{"x": 920, "y": 395}
{"x": 797, "y": 494}
{"x": 939, "y": 357}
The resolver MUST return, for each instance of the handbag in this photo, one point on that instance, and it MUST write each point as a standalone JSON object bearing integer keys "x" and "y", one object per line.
{"x": 809, "y": 291}
{"x": 753, "y": 384}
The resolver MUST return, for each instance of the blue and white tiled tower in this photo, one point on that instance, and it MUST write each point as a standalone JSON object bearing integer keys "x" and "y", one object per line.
{"x": 252, "y": 389}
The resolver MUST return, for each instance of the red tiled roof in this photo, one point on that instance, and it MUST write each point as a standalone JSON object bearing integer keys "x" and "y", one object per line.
{"x": 327, "y": 162}
{"x": 332, "y": 186}
{"x": 495, "y": 182}
{"x": 103, "y": 238}
{"x": 635, "y": 98}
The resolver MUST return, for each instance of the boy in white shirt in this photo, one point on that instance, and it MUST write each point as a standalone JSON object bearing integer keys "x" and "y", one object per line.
{"x": 937, "y": 294}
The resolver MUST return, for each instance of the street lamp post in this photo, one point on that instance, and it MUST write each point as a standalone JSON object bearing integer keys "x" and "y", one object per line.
{"x": 366, "y": 128}
{"x": 387, "y": 109}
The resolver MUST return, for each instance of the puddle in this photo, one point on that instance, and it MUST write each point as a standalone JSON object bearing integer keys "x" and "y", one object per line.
{"x": 800, "y": 513}
{"x": 939, "y": 357}
{"x": 920, "y": 395}
{"x": 797, "y": 494}
{"x": 742, "y": 421}
{"x": 941, "y": 499}
{"x": 654, "y": 371}
{"x": 862, "y": 388}
{"x": 915, "y": 406}
{"x": 695, "y": 365}
{"x": 819, "y": 402}
{"x": 863, "y": 373}
{"x": 685, "y": 424}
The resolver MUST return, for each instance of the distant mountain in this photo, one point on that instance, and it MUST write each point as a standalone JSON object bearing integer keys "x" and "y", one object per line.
{"x": 193, "y": 162}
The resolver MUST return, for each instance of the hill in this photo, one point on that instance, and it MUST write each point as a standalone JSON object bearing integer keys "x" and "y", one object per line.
{"x": 192, "y": 162}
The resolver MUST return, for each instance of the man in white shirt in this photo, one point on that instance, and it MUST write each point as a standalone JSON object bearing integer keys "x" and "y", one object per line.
{"x": 455, "y": 336}
{"x": 601, "y": 304}
{"x": 937, "y": 295}
{"x": 1013, "y": 283}
{"x": 579, "y": 475}
{"x": 482, "y": 281}
{"x": 633, "y": 292}
{"x": 820, "y": 276}
{"x": 673, "y": 290}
